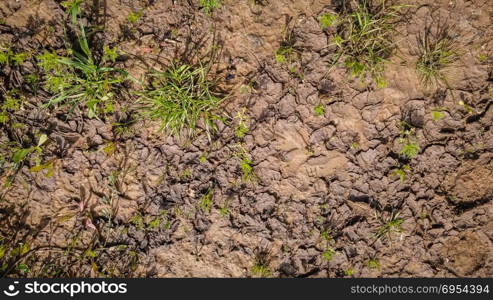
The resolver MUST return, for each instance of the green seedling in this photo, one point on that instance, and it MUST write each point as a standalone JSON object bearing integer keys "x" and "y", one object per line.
{"x": 349, "y": 272}
{"x": 224, "y": 211}
{"x": 48, "y": 167}
{"x": 373, "y": 264}
{"x": 185, "y": 174}
{"x": 437, "y": 114}
{"x": 355, "y": 145}
{"x": 138, "y": 221}
{"x": 203, "y": 158}
{"x": 328, "y": 254}
{"x": 109, "y": 149}
{"x": 319, "y": 110}
{"x": 402, "y": 172}
{"x": 134, "y": 16}
{"x": 410, "y": 147}
{"x": 246, "y": 89}
{"x": 468, "y": 108}
{"x": 261, "y": 270}
{"x": 285, "y": 54}
{"x": 110, "y": 54}
{"x": 325, "y": 235}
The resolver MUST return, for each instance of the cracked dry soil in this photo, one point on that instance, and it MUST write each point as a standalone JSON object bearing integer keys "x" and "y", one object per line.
{"x": 324, "y": 185}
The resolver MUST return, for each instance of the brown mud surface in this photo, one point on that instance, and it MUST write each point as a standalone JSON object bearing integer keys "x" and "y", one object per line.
{"x": 324, "y": 186}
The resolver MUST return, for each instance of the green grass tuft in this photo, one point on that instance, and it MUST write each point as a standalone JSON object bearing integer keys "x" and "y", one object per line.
{"x": 436, "y": 53}
{"x": 78, "y": 80}
{"x": 181, "y": 98}
{"x": 364, "y": 38}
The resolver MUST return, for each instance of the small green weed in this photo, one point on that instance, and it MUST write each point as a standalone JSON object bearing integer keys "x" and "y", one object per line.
{"x": 319, "y": 110}
{"x": 437, "y": 114}
{"x": 11, "y": 104}
{"x": 206, "y": 202}
{"x": 285, "y": 54}
{"x": 349, "y": 272}
{"x": 8, "y": 57}
{"x": 328, "y": 254}
{"x": 261, "y": 270}
{"x": 72, "y": 7}
{"x": 410, "y": 147}
{"x": 466, "y": 107}
{"x": 134, "y": 16}
{"x": 327, "y": 20}
{"x": 138, "y": 221}
{"x": 402, "y": 172}
{"x": 373, "y": 264}
{"x": 21, "y": 154}
{"x": 203, "y": 158}
{"x": 209, "y": 5}
{"x": 186, "y": 174}
{"x": 288, "y": 53}
{"x": 242, "y": 128}
{"x": 245, "y": 165}
{"x": 224, "y": 211}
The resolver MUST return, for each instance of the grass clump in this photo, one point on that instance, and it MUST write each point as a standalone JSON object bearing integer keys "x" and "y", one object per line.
{"x": 288, "y": 53}
{"x": 391, "y": 225}
{"x": 206, "y": 202}
{"x": 364, "y": 38}
{"x": 261, "y": 264}
{"x": 437, "y": 51}
{"x": 181, "y": 98}
{"x": 79, "y": 80}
